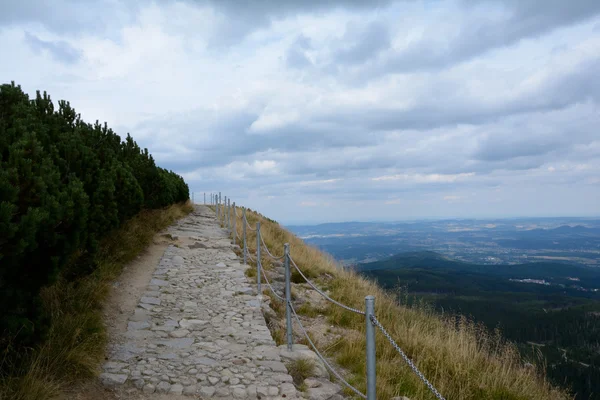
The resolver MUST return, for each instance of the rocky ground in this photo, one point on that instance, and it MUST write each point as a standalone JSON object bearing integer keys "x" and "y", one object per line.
{"x": 198, "y": 329}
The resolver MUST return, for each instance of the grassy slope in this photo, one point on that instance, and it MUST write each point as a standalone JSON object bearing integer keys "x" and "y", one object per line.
{"x": 75, "y": 344}
{"x": 461, "y": 359}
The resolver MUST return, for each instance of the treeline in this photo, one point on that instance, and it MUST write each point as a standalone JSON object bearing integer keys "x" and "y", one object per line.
{"x": 64, "y": 185}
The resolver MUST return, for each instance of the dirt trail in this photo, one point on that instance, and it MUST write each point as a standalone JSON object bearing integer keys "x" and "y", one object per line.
{"x": 184, "y": 322}
{"x": 120, "y": 303}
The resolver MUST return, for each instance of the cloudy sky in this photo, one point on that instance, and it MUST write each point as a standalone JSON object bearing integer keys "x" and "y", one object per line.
{"x": 316, "y": 110}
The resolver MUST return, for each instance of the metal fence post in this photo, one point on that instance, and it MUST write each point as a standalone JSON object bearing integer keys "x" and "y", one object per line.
{"x": 229, "y": 215}
{"x": 244, "y": 229}
{"x": 258, "y": 258}
{"x": 204, "y": 198}
{"x": 234, "y": 223}
{"x": 371, "y": 374}
{"x": 288, "y": 297}
{"x": 217, "y": 208}
{"x": 219, "y": 202}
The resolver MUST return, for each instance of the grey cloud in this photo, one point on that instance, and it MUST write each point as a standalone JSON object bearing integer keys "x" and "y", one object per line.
{"x": 244, "y": 17}
{"x": 68, "y": 16}
{"x": 446, "y": 105}
{"x": 296, "y": 55}
{"x": 241, "y": 17}
{"x": 528, "y": 18}
{"x": 502, "y": 147}
{"x": 59, "y": 50}
{"x": 221, "y": 139}
{"x": 355, "y": 48}
{"x": 343, "y": 142}
{"x": 278, "y": 8}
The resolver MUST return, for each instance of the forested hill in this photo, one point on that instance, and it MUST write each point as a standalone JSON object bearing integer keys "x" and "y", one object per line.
{"x": 551, "y": 309}
{"x": 553, "y": 272}
{"x": 64, "y": 185}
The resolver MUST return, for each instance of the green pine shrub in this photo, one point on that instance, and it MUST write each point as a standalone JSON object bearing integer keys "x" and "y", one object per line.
{"x": 64, "y": 186}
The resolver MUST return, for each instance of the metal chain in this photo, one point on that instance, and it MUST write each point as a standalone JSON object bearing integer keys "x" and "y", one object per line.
{"x": 267, "y": 250}
{"x": 249, "y": 227}
{"x": 274, "y": 258}
{"x": 355, "y": 390}
{"x": 406, "y": 359}
{"x": 323, "y": 294}
{"x": 269, "y": 285}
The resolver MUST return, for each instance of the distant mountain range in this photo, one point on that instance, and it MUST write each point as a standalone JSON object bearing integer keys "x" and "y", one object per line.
{"x": 507, "y": 241}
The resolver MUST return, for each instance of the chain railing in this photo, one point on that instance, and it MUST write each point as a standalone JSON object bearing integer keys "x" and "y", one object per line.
{"x": 223, "y": 211}
{"x": 271, "y": 287}
{"x": 333, "y": 371}
{"x": 268, "y": 252}
{"x": 354, "y": 310}
{"x": 408, "y": 361}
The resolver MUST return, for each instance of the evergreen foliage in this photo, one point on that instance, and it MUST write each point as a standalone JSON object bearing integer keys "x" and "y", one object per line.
{"x": 64, "y": 185}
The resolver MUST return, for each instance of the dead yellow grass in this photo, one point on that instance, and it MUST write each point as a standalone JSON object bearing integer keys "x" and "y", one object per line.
{"x": 74, "y": 346}
{"x": 462, "y": 359}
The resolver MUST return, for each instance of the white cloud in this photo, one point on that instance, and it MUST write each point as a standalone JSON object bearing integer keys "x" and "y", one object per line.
{"x": 426, "y": 178}
{"x": 426, "y": 113}
{"x": 452, "y": 198}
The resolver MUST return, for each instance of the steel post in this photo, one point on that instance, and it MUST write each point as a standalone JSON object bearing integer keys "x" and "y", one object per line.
{"x": 371, "y": 373}
{"x": 234, "y": 223}
{"x": 225, "y": 214}
{"x": 229, "y": 215}
{"x": 244, "y": 229}
{"x": 258, "y": 258}
{"x": 288, "y": 297}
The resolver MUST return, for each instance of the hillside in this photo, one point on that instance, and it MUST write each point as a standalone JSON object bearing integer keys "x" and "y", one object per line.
{"x": 552, "y": 304}
{"x": 460, "y": 358}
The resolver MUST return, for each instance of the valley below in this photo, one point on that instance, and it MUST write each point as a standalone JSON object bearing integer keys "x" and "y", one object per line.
{"x": 535, "y": 281}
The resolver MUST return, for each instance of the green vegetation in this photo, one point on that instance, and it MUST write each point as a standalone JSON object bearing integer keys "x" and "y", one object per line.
{"x": 76, "y": 203}
{"x": 556, "y": 325}
{"x": 74, "y": 345}
{"x": 64, "y": 185}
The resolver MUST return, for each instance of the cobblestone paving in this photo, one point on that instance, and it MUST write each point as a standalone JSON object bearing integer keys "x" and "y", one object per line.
{"x": 198, "y": 329}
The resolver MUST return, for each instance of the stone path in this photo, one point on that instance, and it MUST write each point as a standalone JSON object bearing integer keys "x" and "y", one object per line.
{"x": 198, "y": 329}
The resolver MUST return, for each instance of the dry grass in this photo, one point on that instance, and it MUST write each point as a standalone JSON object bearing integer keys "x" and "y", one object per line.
{"x": 75, "y": 344}
{"x": 300, "y": 369}
{"x": 462, "y": 359}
